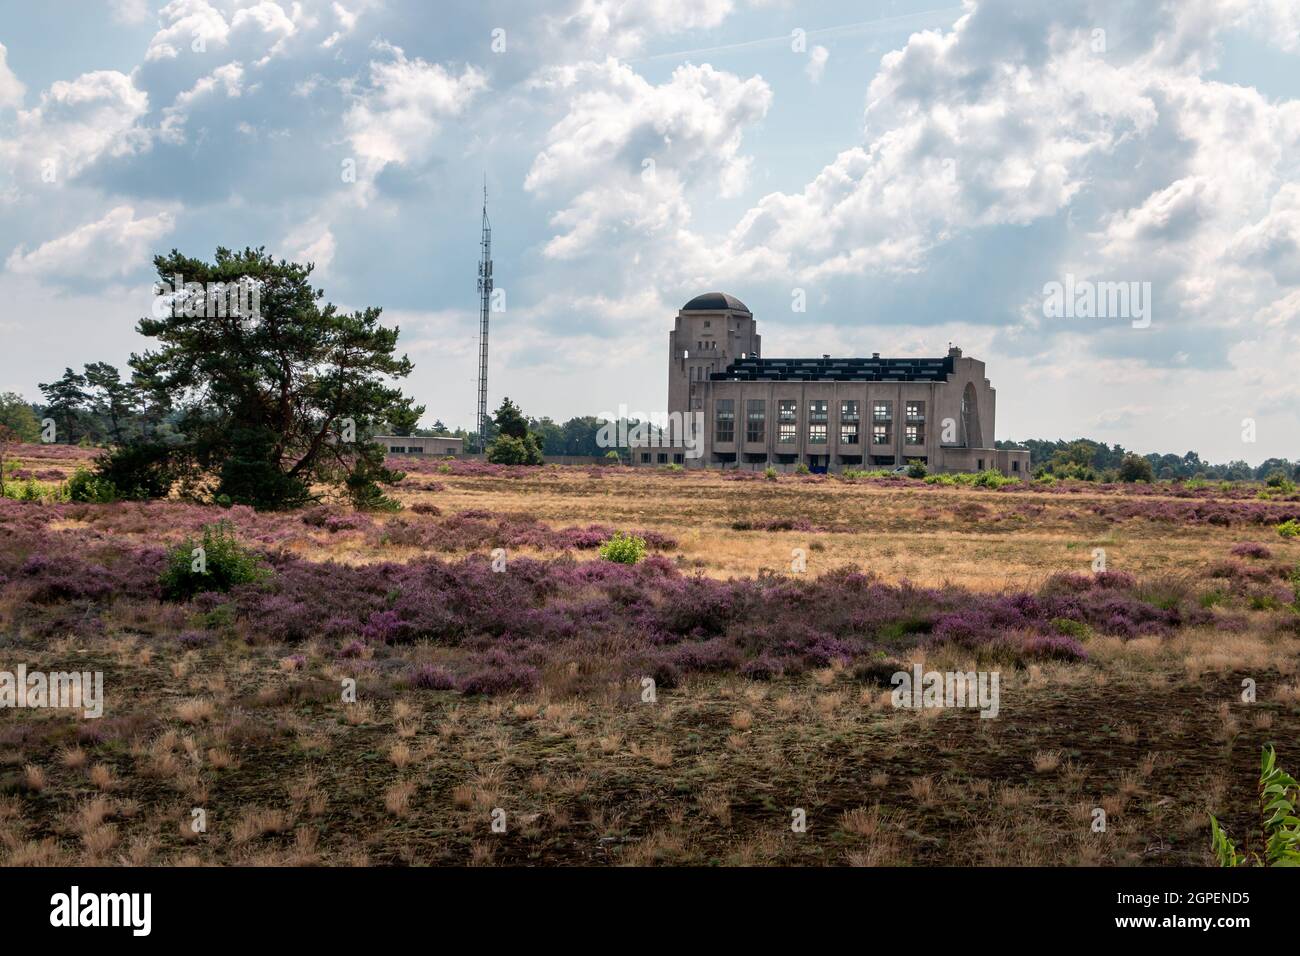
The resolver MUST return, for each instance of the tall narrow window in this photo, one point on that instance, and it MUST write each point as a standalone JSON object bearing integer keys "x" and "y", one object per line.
{"x": 724, "y": 420}
{"x": 787, "y": 421}
{"x": 755, "y": 420}
{"x": 882, "y": 412}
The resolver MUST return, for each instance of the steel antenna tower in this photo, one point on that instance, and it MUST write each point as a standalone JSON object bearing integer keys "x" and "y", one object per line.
{"x": 485, "y": 308}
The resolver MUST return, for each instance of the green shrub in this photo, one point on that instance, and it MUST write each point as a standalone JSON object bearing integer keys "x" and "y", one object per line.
{"x": 1136, "y": 468}
{"x": 140, "y": 470}
{"x": 916, "y": 468}
{"x": 991, "y": 478}
{"x": 1289, "y": 528}
{"x": 509, "y": 450}
{"x": 1212, "y": 598}
{"x": 801, "y": 469}
{"x": 674, "y": 467}
{"x": 623, "y": 549}
{"x": 1277, "y": 479}
{"x": 88, "y": 487}
{"x": 222, "y": 564}
{"x": 1279, "y": 828}
{"x": 769, "y": 473}
{"x": 1071, "y": 628}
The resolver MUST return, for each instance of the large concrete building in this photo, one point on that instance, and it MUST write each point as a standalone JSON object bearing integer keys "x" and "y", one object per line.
{"x": 827, "y": 413}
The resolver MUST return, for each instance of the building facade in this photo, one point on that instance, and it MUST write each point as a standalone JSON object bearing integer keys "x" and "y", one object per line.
{"x": 829, "y": 414}
{"x": 438, "y": 445}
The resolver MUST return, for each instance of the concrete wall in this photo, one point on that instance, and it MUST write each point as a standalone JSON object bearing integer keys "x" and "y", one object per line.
{"x": 422, "y": 445}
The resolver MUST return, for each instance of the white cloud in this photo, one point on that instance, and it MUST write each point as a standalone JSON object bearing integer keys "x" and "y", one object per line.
{"x": 312, "y": 241}
{"x": 76, "y": 123}
{"x": 397, "y": 119}
{"x": 11, "y": 88}
{"x": 115, "y": 245}
{"x": 347, "y": 22}
{"x": 623, "y": 26}
{"x": 816, "y": 67}
{"x": 626, "y": 152}
{"x": 187, "y": 22}
{"x": 1273, "y": 243}
{"x": 226, "y": 80}
{"x": 130, "y": 11}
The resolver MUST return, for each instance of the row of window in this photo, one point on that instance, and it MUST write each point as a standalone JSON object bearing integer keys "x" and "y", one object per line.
{"x": 787, "y": 421}
{"x": 662, "y": 458}
{"x": 417, "y": 450}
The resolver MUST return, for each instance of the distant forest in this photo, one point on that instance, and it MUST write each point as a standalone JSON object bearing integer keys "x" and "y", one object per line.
{"x": 96, "y": 408}
{"x": 1085, "y": 458}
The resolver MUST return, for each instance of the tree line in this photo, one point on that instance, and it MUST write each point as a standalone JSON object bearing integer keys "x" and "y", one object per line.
{"x": 1094, "y": 461}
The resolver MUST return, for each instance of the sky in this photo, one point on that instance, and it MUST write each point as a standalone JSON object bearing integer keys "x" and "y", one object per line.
{"x": 911, "y": 173}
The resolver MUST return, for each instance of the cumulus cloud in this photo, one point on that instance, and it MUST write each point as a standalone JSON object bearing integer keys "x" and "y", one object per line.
{"x": 626, "y": 151}
{"x": 77, "y": 122}
{"x": 1273, "y": 243}
{"x": 623, "y": 26}
{"x": 116, "y": 245}
{"x": 398, "y": 117}
{"x": 187, "y": 24}
{"x": 312, "y": 241}
{"x": 11, "y": 88}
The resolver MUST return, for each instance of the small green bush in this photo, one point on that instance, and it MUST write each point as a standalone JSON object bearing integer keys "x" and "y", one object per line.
{"x": 801, "y": 469}
{"x": 1136, "y": 468}
{"x": 623, "y": 549}
{"x": 1289, "y": 528}
{"x": 88, "y": 487}
{"x": 1071, "y": 628}
{"x": 222, "y": 564}
{"x": 769, "y": 473}
{"x": 916, "y": 468}
{"x": 1277, "y": 479}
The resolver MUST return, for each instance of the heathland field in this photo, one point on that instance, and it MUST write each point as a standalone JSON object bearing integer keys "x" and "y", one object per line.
{"x": 469, "y": 681}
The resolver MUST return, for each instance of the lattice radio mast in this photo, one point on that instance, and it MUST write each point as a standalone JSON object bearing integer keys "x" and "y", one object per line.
{"x": 485, "y": 308}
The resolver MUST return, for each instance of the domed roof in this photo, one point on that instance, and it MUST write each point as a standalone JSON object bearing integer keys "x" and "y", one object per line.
{"x": 714, "y": 302}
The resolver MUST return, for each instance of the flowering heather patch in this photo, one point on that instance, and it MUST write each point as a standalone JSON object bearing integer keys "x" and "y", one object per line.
{"x": 43, "y": 474}
{"x": 41, "y": 451}
{"x": 475, "y": 530}
{"x": 509, "y": 628}
{"x": 1222, "y": 513}
{"x": 1251, "y": 549}
{"x": 464, "y": 468}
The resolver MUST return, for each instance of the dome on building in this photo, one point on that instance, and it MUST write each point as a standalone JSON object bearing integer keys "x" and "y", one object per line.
{"x": 714, "y": 302}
